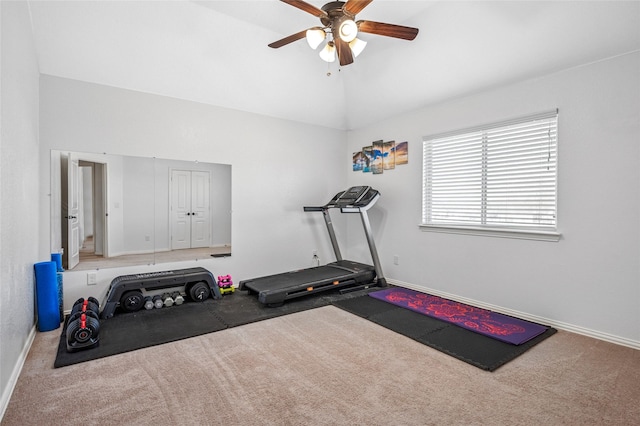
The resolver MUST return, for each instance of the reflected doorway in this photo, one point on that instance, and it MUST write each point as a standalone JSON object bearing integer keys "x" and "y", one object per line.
{"x": 84, "y": 213}
{"x": 93, "y": 184}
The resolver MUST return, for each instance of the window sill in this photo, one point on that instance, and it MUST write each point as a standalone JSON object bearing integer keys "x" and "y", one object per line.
{"x": 536, "y": 235}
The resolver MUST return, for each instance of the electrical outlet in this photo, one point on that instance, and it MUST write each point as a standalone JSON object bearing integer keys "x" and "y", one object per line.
{"x": 92, "y": 278}
{"x": 396, "y": 259}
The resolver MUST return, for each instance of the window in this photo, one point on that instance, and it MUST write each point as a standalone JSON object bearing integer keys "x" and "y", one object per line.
{"x": 499, "y": 179}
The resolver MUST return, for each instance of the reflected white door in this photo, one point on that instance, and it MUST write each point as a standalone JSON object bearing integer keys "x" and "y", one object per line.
{"x": 190, "y": 217}
{"x": 70, "y": 190}
{"x": 200, "y": 216}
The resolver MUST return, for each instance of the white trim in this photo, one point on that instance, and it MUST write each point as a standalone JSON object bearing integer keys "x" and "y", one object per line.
{"x": 15, "y": 374}
{"x": 503, "y": 123}
{"x": 611, "y": 338}
{"x": 494, "y": 232}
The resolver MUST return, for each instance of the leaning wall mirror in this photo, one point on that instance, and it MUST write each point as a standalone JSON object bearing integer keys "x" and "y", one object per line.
{"x": 113, "y": 211}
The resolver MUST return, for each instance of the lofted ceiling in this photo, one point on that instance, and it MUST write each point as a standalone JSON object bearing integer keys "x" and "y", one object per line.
{"x": 215, "y": 52}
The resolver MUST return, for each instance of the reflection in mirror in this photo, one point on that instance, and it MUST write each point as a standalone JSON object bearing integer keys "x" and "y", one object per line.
{"x": 113, "y": 211}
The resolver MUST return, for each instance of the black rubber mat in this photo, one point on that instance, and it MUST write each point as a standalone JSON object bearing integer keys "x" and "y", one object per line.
{"x": 126, "y": 332}
{"x": 131, "y": 331}
{"x": 476, "y": 349}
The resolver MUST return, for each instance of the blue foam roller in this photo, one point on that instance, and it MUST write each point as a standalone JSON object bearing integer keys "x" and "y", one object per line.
{"x": 60, "y": 279}
{"x": 47, "y": 296}
{"x": 57, "y": 257}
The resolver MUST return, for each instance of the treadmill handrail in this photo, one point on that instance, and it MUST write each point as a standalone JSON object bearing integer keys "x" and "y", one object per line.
{"x": 367, "y": 198}
{"x": 314, "y": 209}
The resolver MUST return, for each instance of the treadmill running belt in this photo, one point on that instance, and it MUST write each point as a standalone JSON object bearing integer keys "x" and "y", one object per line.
{"x": 275, "y": 289}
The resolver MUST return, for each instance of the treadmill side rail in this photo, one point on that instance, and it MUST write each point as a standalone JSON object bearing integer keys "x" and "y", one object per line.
{"x": 273, "y": 290}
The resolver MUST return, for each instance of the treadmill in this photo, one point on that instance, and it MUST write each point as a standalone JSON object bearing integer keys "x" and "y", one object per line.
{"x": 273, "y": 290}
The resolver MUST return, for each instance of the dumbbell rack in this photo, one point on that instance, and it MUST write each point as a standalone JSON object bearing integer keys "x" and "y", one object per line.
{"x": 129, "y": 291}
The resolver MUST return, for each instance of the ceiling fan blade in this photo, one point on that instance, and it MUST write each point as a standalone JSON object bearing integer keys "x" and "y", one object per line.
{"x": 309, "y": 8}
{"x": 388, "y": 30}
{"x": 355, "y": 6}
{"x": 289, "y": 39}
{"x": 344, "y": 51}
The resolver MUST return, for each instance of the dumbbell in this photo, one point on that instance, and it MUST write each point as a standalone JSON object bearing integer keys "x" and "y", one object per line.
{"x": 177, "y": 298}
{"x": 167, "y": 299}
{"x": 157, "y": 301}
{"x": 148, "y": 303}
{"x": 82, "y": 332}
{"x": 82, "y": 305}
{"x": 82, "y": 329}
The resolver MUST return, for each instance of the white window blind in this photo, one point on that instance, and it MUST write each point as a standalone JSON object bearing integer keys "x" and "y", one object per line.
{"x": 499, "y": 176}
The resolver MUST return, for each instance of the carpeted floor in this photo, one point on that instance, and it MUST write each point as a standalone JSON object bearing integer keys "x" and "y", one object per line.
{"x": 326, "y": 366}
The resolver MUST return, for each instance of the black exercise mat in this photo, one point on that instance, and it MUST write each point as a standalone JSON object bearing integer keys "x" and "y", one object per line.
{"x": 476, "y": 349}
{"x": 126, "y": 332}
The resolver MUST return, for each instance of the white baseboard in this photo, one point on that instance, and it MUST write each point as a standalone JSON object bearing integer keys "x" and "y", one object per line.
{"x": 11, "y": 384}
{"x": 534, "y": 318}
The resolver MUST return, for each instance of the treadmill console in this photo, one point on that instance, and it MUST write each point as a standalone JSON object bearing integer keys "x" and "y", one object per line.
{"x": 352, "y": 196}
{"x": 349, "y": 201}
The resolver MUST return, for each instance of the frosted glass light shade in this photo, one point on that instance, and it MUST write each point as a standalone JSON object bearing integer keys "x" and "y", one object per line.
{"x": 357, "y": 46}
{"x": 348, "y": 30}
{"x": 328, "y": 54}
{"x": 315, "y": 36}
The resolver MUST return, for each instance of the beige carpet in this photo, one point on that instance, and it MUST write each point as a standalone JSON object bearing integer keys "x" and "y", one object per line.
{"x": 327, "y": 367}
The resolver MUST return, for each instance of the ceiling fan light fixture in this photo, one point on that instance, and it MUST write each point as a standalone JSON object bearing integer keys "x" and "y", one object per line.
{"x": 357, "y": 46}
{"x": 348, "y": 30}
{"x": 315, "y": 36}
{"x": 328, "y": 54}
{"x": 337, "y": 20}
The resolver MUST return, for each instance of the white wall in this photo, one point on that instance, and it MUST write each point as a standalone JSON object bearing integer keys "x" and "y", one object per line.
{"x": 278, "y": 166}
{"x": 590, "y": 279}
{"x": 20, "y": 194}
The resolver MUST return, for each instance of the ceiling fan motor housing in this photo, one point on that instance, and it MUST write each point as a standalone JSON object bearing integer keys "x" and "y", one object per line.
{"x": 336, "y": 18}
{"x": 335, "y": 11}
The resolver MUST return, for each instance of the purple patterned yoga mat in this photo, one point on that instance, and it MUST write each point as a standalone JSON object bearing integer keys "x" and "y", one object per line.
{"x": 492, "y": 324}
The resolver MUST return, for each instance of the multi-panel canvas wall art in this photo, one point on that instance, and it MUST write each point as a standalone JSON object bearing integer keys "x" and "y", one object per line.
{"x": 380, "y": 156}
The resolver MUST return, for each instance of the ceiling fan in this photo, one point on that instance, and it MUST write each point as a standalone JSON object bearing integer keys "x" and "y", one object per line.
{"x": 338, "y": 21}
